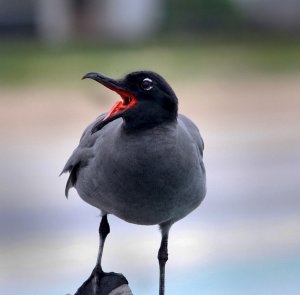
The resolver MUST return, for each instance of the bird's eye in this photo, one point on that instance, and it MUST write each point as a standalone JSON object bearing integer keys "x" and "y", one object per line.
{"x": 147, "y": 84}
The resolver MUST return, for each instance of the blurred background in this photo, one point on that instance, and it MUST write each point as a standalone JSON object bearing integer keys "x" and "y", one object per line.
{"x": 235, "y": 66}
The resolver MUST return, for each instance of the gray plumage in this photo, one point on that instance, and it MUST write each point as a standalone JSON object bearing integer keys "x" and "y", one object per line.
{"x": 147, "y": 177}
{"x": 141, "y": 161}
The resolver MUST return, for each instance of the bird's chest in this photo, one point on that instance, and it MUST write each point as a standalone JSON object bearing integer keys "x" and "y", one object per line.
{"x": 140, "y": 179}
{"x": 141, "y": 167}
{"x": 142, "y": 162}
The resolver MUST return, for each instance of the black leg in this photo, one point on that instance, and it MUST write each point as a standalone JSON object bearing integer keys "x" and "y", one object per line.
{"x": 104, "y": 230}
{"x": 99, "y": 282}
{"x": 162, "y": 258}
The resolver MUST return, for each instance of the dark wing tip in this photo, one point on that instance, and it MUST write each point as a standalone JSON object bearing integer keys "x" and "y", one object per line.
{"x": 72, "y": 179}
{"x": 67, "y": 188}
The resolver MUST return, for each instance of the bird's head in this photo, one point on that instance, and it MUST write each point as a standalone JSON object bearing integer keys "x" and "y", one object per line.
{"x": 146, "y": 100}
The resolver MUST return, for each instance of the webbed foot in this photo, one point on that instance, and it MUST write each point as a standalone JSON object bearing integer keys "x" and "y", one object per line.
{"x": 104, "y": 283}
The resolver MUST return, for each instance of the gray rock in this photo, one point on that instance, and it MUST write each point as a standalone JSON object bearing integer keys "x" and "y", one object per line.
{"x": 101, "y": 283}
{"x": 122, "y": 290}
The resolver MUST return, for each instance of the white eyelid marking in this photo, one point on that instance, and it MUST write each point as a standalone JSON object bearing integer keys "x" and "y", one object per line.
{"x": 149, "y": 82}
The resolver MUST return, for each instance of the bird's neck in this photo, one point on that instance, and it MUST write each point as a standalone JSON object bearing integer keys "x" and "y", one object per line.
{"x": 144, "y": 122}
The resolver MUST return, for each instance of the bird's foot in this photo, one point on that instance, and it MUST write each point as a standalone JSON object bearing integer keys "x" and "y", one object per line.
{"x": 102, "y": 283}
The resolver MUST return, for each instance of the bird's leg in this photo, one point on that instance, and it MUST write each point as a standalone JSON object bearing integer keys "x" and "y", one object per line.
{"x": 99, "y": 282}
{"x": 104, "y": 230}
{"x": 162, "y": 258}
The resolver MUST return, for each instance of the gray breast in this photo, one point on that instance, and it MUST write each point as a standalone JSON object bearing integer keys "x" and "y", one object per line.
{"x": 144, "y": 178}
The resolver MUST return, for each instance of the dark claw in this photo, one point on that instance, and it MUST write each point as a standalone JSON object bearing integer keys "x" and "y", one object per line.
{"x": 101, "y": 283}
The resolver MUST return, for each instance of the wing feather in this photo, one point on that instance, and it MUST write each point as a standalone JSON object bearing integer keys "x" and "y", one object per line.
{"x": 193, "y": 131}
{"x": 81, "y": 155}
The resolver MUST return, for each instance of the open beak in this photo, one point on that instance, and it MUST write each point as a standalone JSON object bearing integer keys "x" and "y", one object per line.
{"x": 127, "y": 102}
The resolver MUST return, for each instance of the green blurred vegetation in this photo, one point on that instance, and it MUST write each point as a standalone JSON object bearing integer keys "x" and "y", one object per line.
{"x": 202, "y": 15}
{"x": 32, "y": 63}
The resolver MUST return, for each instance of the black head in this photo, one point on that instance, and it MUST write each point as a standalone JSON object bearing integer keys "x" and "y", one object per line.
{"x": 147, "y": 100}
